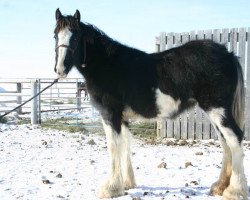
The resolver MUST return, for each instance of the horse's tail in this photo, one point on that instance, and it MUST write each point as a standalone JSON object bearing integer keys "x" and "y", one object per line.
{"x": 238, "y": 106}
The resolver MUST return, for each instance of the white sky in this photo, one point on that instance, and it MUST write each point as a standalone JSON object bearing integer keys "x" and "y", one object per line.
{"x": 26, "y": 33}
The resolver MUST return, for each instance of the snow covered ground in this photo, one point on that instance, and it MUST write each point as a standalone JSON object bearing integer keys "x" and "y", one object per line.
{"x": 47, "y": 164}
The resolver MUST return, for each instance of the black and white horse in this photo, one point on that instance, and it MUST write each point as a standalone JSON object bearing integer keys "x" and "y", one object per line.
{"x": 126, "y": 83}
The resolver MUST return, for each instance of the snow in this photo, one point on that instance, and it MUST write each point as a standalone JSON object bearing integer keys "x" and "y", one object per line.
{"x": 30, "y": 157}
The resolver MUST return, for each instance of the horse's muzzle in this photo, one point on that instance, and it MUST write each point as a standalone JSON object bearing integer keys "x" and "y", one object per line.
{"x": 60, "y": 72}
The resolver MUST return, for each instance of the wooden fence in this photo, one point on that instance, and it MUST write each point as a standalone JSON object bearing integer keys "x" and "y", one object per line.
{"x": 65, "y": 95}
{"x": 194, "y": 124}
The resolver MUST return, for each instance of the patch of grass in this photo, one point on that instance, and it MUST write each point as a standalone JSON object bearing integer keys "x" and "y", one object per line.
{"x": 69, "y": 128}
{"x": 23, "y": 121}
{"x": 56, "y": 102}
{"x": 62, "y": 124}
{"x": 62, "y": 121}
{"x": 65, "y": 124}
{"x": 43, "y": 101}
{"x": 71, "y": 101}
{"x": 143, "y": 129}
{"x": 96, "y": 130}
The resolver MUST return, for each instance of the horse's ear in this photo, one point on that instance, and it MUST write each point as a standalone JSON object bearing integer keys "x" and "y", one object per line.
{"x": 58, "y": 14}
{"x": 77, "y": 15}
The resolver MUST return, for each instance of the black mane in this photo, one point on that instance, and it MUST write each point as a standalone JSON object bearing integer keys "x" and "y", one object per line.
{"x": 92, "y": 34}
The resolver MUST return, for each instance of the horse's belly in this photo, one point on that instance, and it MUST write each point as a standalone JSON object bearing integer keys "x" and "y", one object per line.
{"x": 167, "y": 105}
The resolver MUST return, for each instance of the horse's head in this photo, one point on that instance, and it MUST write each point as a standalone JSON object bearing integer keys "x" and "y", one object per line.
{"x": 68, "y": 38}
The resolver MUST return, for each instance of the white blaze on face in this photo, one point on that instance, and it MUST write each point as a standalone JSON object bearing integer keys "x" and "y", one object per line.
{"x": 63, "y": 39}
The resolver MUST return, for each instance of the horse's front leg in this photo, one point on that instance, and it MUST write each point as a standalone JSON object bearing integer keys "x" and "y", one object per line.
{"x": 127, "y": 169}
{"x": 114, "y": 186}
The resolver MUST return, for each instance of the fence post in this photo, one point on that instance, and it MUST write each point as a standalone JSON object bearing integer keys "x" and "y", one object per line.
{"x": 39, "y": 101}
{"x": 19, "y": 98}
{"x": 161, "y": 123}
{"x": 161, "y": 128}
{"x": 247, "y": 107}
{"x": 34, "y": 103}
{"x": 78, "y": 95}
{"x": 157, "y": 44}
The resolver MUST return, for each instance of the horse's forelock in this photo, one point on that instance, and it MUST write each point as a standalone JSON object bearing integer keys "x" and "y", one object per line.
{"x": 64, "y": 22}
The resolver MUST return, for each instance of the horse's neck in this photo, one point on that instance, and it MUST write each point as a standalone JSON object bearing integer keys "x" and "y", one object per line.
{"x": 102, "y": 51}
{"x": 112, "y": 54}
{"x": 105, "y": 56}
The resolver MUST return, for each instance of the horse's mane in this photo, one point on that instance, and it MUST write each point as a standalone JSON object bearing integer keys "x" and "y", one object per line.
{"x": 90, "y": 31}
{"x": 93, "y": 33}
{"x": 70, "y": 22}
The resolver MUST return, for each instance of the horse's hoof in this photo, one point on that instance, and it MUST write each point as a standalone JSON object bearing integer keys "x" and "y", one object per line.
{"x": 110, "y": 190}
{"x": 218, "y": 188}
{"x": 231, "y": 193}
{"x": 129, "y": 185}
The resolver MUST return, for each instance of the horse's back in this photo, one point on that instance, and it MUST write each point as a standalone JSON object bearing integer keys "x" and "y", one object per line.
{"x": 202, "y": 70}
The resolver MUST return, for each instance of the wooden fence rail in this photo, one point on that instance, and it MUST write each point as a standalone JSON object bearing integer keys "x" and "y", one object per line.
{"x": 17, "y": 99}
{"x": 65, "y": 95}
{"x": 194, "y": 124}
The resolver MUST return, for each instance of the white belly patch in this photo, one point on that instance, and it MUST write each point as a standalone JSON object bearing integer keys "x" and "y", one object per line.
{"x": 166, "y": 104}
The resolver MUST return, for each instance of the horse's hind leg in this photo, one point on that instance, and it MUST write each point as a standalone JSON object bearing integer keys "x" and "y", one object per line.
{"x": 219, "y": 186}
{"x": 233, "y": 136}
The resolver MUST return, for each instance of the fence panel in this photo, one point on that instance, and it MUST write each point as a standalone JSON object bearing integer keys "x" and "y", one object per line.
{"x": 194, "y": 123}
{"x": 170, "y": 123}
{"x": 217, "y": 35}
{"x": 225, "y": 37}
{"x": 242, "y": 47}
{"x": 233, "y": 40}
{"x": 192, "y": 112}
{"x": 184, "y": 115}
{"x": 177, "y": 124}
{"x": 11, "y": 96}
{"x": 247, "y": 107}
